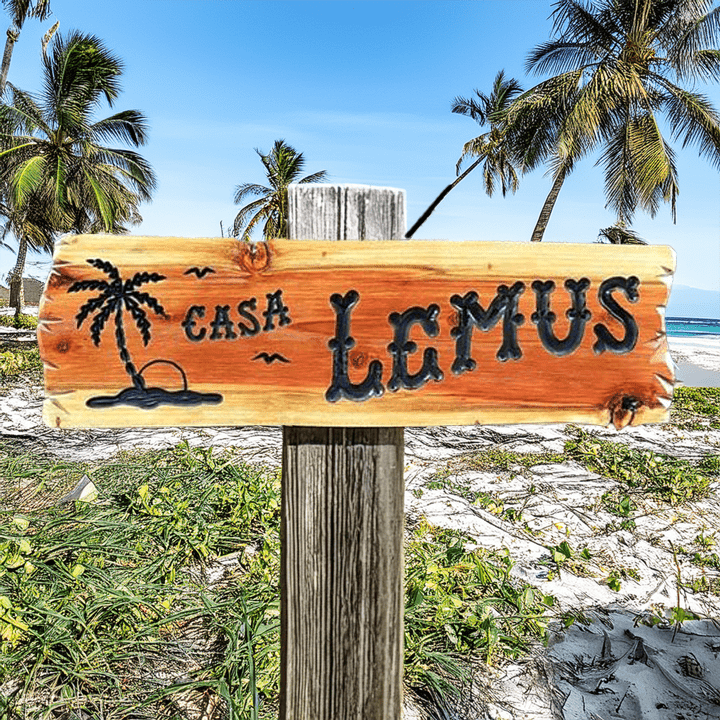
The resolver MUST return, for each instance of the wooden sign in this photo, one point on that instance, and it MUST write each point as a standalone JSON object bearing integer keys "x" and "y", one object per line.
{"x": 141, "y": 331}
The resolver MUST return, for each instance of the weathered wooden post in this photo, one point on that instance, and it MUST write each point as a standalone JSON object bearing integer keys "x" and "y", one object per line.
{"x": 342, "y": 519}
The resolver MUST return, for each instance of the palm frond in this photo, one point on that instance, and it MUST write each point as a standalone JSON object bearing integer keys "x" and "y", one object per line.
{"x": 20, "y": 10}
{"x": 129, "y": 126}
{"x": 561, "y": 57}
{"x": 141, "y": 279}
{"x": 314, "y": 178}
{"x": 92, "y": 304}
{"x": 620, "y": 234}
{"x": 140, "y": 317}
{"x": 82, "y": 285}
{"x": 242, "y": 191}
{"x": 147, "y": 299}
{"x": 98, "y": 323}
{"x": 694, "y": 121}
{"x": 26, "y": 179}
{"x": 107, "y": 267}
{"x": 470, "y": 108}
{"x": 242, "y": 224}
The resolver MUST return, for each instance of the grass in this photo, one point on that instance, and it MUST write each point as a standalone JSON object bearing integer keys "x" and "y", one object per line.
{"x": 107, "y": 607}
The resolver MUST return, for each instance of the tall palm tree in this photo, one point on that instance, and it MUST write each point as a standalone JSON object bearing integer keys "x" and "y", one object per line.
{"x": 53, "y": 154}
{"x": 283, "y": 165}
{"x": 19, "y": 11}
{"x": 620, "y": 65}
{"x": 491, "y": 148}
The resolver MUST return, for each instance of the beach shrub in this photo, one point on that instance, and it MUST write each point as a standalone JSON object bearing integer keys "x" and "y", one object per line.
{"x": 663, "y": 477}
{"x": 27, "y": 322}
{"x": 696, "y": 408}
{"x": 99, "y": 600}
{"x": 461, "y": 603}
{"x": 17, "y": 361}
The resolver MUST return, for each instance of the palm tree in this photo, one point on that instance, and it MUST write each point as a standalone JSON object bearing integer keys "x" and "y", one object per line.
{"x": 19, "y": 11}
{"x": 620, "y": 234}
{"x": 30, "y": 224}
{"x": 283, "y": 165}
{"x": 53, "y": 155}
{"x": 115, "y": 296}
{"x": 621, "y": 64}
{"x": 491, "y": 148}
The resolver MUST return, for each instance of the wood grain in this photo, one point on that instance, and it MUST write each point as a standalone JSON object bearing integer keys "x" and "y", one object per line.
{"x": 389, "y": 277}
{"x": 342, "y": 570}
{"x": 342, "y": 522}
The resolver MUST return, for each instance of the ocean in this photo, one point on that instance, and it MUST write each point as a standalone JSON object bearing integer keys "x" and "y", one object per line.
{"x": 692, "y": 327}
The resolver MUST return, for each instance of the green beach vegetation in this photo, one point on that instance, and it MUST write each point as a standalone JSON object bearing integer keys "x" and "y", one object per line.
{"x": 164, "y": 593}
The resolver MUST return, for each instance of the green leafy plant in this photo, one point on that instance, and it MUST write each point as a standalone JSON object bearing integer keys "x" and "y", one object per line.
{"x": 696, "y": 408}
{"x": 16, "y": 362}
{"x": 663, "y": 477}
{"x": 27, "y": 322}
{"x": 463, "y": 603}
{"x": 613, "y": 582}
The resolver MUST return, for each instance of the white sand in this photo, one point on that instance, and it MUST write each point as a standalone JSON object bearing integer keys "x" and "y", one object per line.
{"x": 702, "y": 351}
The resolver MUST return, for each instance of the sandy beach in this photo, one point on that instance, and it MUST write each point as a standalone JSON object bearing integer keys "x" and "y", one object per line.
{"x": 697, "y": 360}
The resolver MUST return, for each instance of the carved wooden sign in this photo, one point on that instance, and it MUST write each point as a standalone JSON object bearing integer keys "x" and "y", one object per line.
{"x": 147, "y": 331}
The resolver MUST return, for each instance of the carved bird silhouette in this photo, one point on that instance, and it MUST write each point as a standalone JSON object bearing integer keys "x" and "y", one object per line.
{"x": 269, "y": 359}
{"x": 197, "y": 271}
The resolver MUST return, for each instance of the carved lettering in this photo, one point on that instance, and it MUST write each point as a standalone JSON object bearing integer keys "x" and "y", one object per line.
{"x": 341, "y": 344}
{"x": 544, "y": 318}
{"x": 275, "y": 306}
{"x": 243, "y": 310}
{"x": 189, "y": 323}
{"x": 401, "y": 347}
{"x": 471, "y": 313}
{"x": 605, "y": 340}
{"x": 220, "y": 322}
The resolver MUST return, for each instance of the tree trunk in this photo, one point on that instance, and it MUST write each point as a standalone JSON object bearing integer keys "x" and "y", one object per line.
{"x": 547, "y": 208}
{"x": 17, "y": 295}
{"x": 439, "y": 198}
{"x": 342, "y": 521}
{"x": 12, "y": 36}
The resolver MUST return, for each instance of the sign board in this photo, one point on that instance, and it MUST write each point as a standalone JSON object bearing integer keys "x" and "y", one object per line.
{"x": 147, "y": 331}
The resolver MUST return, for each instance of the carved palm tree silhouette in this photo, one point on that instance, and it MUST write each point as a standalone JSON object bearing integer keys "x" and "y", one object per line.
{"x": 115, "y": 296}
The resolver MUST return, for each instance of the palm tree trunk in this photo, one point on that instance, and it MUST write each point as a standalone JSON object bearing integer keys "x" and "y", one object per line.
{"x": 130, "y": 368}
{"x": 17, "y": 296}
{"x": 12, "y": 36}
{"x": 439, "y": 198}
{"x": 547, "y": 208}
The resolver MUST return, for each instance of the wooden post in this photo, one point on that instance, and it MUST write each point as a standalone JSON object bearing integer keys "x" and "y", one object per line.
{"x": 342, "y": 520}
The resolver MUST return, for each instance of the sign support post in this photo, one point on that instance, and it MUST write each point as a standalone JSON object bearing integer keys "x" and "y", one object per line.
{"x": 342, "y": 520}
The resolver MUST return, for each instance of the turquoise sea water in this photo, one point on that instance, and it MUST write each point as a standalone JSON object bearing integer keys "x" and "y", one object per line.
{"x": 692, "y": 327}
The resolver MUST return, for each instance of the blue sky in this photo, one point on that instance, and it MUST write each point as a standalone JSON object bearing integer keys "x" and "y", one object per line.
{"x": 363, "y": 89}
